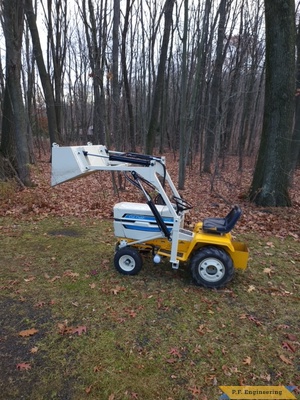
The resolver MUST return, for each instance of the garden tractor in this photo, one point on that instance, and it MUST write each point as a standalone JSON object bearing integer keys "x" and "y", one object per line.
{"x": 157, "y": 225}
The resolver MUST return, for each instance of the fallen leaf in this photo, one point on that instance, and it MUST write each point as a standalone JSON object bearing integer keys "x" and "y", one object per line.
{"x": 24, "y": 366}
{"x": 266, "y": 378}
{"x": 55, "y": 278}
{"x": 64, "y": 329}
{"x": 34, "y": 350}
{"x": 282, "y": 326}
{"x": 268, "y": 271}
{"x": 79, "y": 330}
{"x": 132, "y": 314}
{"x": 195, "y": 390}
{"x": 211, "y": 379}
{"x": 117, "y": 289}
{"x": 226, "y": 370}
{"x": 202, "y": 329}
{"x": 285, "y": 359}
{"x": 251, "y": 318}
{"x": 251, "y": 288}
{"x": 30, "y": 279}
{"x": 235, "y": 370}
{"x": 88, "y": 389}
{"x": 40, "y": 304}
{"x": 175, "y": 352}
{"x": 247, "y": 361}
{"x": 71, "y": 274}
{"x": 28, "y": 332}
{"x": 291, "y": 337}
{"x": 171, "y": 360}
{"x": 92, "y": 285}
{"x": 288, "y": 346}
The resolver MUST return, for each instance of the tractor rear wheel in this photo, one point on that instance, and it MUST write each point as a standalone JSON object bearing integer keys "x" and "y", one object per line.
{"x": 128, "y": 261}
{"x": 212, "y": 267}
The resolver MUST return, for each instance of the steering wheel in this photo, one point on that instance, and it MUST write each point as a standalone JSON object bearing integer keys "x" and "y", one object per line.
{"x": 182, "y": 204}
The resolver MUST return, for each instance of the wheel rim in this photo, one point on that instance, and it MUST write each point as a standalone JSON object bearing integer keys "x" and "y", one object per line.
{"x": 127, "y": 263}
{"x": 211, "y": 270}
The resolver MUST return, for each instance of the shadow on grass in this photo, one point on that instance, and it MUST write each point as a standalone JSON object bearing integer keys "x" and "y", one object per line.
{"x": 17, "y": 352}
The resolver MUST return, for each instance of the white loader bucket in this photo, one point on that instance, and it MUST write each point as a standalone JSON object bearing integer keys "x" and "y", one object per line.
{"x": 72, "y": 162}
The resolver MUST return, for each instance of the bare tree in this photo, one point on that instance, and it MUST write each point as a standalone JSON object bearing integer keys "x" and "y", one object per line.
{"x": 183, "y": 109}
{"x": 28, "y": 80}
{"x": 125, "y": 76}
{"x": 14, "y": 144}
{"x": 44, "y": 76}
{"x": 95, "y": 24}
{"x": 78, "y": 107}
{"x": 198, "y": 75}
{"x": 115, "y": 74}
{"x": 57, "y": 27}
{"x": 215, "y": 111}
{"x": 159, "y": 85}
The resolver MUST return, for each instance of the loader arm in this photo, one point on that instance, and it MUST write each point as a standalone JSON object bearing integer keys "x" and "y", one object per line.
{"x": 73, "y": 162}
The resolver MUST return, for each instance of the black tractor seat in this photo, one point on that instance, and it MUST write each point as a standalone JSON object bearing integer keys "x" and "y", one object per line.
{"x": 222, "y": 225}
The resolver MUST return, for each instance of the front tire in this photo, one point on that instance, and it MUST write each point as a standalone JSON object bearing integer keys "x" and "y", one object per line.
{"x": 212, "y": 267}
{"x": 128, "y": 261}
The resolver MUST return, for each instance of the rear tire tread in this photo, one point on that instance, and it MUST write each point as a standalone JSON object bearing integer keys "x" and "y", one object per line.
{"x": 219, "y": 254}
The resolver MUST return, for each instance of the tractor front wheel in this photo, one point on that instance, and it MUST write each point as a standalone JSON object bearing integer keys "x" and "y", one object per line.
{"x": 128, "y": 261}
{"x": 211, "y": 267}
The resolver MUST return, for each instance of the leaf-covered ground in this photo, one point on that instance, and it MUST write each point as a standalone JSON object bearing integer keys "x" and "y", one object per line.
{"x": 73, "y": 328}
{"x": 94, "y": 196}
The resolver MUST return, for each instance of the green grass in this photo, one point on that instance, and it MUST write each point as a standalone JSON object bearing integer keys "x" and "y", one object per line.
{"x": 151, "y": 336}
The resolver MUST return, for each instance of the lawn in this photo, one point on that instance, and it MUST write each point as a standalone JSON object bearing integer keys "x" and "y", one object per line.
{"x": 73, "y": 328}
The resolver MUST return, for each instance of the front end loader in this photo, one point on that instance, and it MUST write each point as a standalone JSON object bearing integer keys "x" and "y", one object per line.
{"x": 157, "y": 225}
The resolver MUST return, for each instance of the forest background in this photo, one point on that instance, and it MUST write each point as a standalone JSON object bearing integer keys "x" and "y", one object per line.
{"x": 206, "y": 79}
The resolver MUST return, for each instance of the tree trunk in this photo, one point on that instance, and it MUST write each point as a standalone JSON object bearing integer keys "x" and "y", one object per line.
{"x": 14, "y": 144}
{"x": 183, "y": 108}
{"x": 115, "y": 75}
{"x": 197, "y": 93}
{"x": 213, "y": 125}
{"x": 158, "y": 90}
{"x": 44, "y": 76}
{"x": 126, "y": 81}
{"x": 56, "y": 35}
{"x": 95, "y": 31}
{"x": 270, "y": 180}
{"x": 295, "y": 145}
